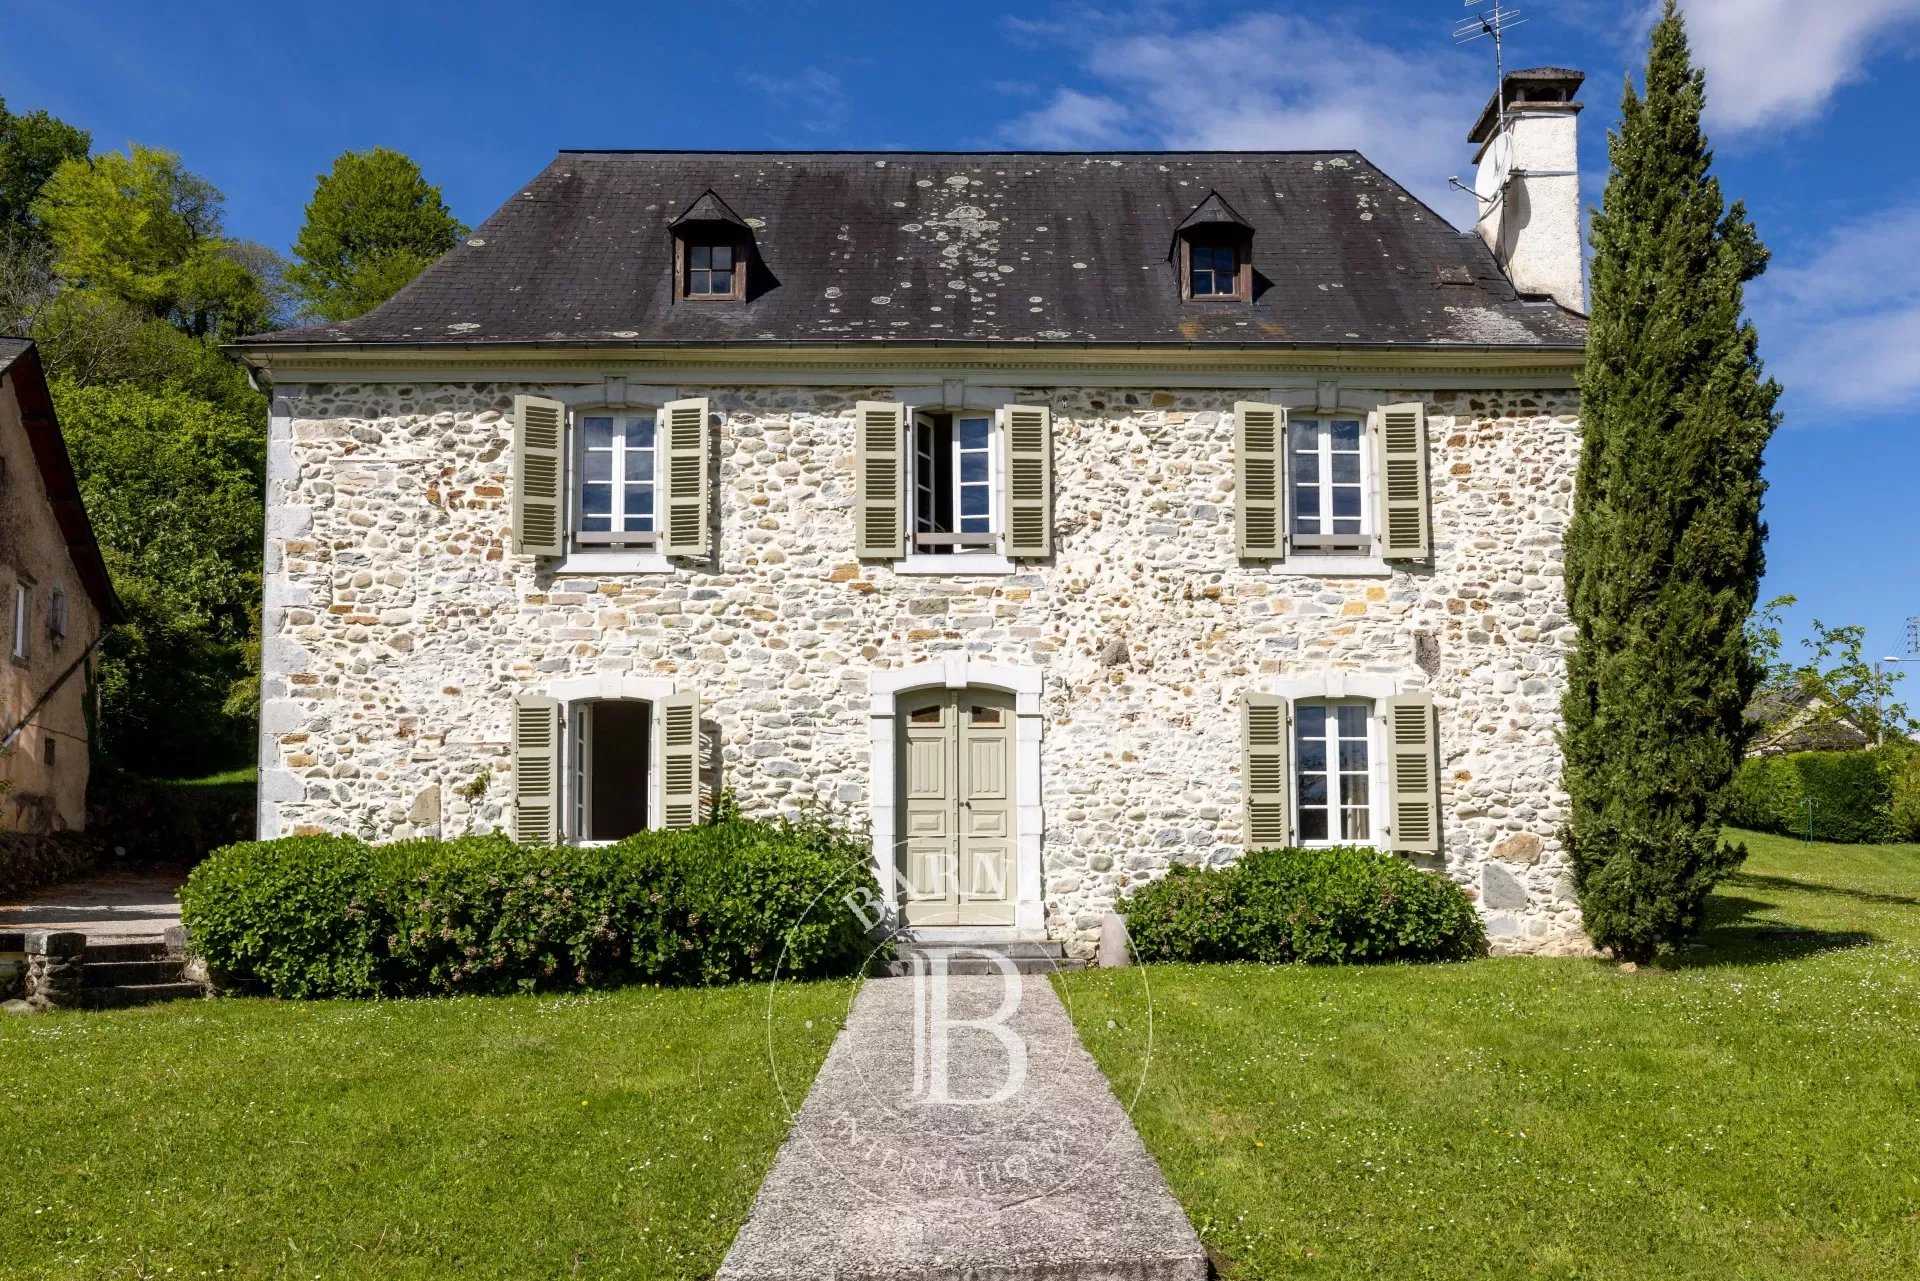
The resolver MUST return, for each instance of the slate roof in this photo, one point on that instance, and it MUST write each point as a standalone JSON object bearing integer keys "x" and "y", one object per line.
{"x": 962, "y": 247}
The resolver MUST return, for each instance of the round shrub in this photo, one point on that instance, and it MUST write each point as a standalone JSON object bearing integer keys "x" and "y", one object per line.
{"x": 297, "y": 917}
{"x": 1322, "y": 906}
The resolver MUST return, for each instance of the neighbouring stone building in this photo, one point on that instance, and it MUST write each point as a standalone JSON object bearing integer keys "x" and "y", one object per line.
{"x": 57, "y": 597}
{"x": 1061, "y": 517}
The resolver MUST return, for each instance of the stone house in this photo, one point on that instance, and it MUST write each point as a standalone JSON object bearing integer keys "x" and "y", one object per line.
{"x": 1059, "y": 517}
{"x": 58, "y": 599}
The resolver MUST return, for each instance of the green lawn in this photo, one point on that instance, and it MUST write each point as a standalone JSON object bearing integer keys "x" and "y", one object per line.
{"x": 1751, "y": 1111}
{"x": 612, "y": 1135}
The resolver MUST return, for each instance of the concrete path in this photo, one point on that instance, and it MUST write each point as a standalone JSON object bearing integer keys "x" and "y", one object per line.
{"x": 115, "y": 907}
{"x": 882, "y": 1182}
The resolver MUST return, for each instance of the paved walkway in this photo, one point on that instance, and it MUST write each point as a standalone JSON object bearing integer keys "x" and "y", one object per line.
{"x": 115, "y": 907}
{"x": 880, "y": 1182}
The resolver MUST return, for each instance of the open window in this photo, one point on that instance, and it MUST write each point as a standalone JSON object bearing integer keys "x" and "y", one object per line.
{"x": 589, "y": 770}
{"x": 610, "y": 782}
{"x": 954, "y": 499}
{"x": 953, "y": 490}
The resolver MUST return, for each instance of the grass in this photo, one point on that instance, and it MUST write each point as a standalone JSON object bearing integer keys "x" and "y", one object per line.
{"x": 1751, "y": 1109}
{"x": 611, "y": 1135}
{"x": 244, "y": 776}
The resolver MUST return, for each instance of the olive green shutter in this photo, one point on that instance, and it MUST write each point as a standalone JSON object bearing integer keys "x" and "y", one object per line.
{"x": 1265, "y": 732}
{"x": 1406, "y": 523}
{"x": 539, "y": 475}
{"x": 679, "y": 719}
{"x": 683, "y": 477}
{"x": 1260, "y": 459}
{"x": 1413, "y": 775}
{"x": 536, "y": 769}
{"x": 879, "y": 465}
{"x": 1029, "y": 446}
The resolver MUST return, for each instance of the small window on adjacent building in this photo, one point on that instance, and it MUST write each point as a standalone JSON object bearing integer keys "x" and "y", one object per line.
{"x": 1213, "y": 269}
{"x": 1333, "y": 774}
{"x": 1329, "y": 473}
{"x": 47, "y": 750}
{"x": 22, "y": 646}
{"x": 954, "y": 503}
{"x": 57, "y": 616}
{"x": 617, "y": 462}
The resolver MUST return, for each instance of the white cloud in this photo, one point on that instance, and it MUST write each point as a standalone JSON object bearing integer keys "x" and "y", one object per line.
{"x": 1842, "y": 329}
{"x": 1272, "y": 80}
{"x": 812, "y": 97}
{"x": 1777, "y": 62}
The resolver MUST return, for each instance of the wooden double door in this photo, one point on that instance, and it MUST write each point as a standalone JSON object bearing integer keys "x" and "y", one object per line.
{"x": 956, "y": 774}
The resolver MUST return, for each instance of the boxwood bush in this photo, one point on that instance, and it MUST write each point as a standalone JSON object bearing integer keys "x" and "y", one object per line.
{"x": 333, "y": 916}
{"x": 1326, "y": 906}
{"x": 1855, "y": 797}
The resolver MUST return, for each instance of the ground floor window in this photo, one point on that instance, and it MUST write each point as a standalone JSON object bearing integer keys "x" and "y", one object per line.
{"x": 611, "y": 743}
{"x": 1333, "y": 771}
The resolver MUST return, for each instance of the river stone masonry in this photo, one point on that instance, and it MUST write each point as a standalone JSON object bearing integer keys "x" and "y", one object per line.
{"x": 399, "y": 626}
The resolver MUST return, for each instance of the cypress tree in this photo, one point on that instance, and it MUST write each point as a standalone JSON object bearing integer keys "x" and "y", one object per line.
{"x": 1664, "y": 552}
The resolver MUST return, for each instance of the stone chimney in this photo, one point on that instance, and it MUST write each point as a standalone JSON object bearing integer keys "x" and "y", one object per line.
{"x": 1531, "y": 175}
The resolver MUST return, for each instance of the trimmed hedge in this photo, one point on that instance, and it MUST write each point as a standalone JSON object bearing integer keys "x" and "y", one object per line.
{"x": 1854, "y": 795}
{"x": 331, "y": 916}
{"x": 29, "y": 860}
{"x": 1321, "y": 906}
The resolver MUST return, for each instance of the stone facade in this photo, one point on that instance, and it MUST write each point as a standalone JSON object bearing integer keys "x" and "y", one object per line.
{"x": 399, "y": 625}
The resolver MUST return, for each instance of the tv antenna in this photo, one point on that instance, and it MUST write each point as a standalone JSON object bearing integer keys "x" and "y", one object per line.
{"x": 1913, "y": 634}
{"x": 1493, "y": 22}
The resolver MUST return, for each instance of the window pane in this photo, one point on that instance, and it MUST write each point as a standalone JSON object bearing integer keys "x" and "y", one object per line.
{"x": 1313, "y": 789}
{"x": 1352, "y": 720}
{"x": 640, "y": 433}
{"x": 1353, "y": 754}
{"x": 639, "y": 499}
{"x": 701, "y": 256}
{"x": 596, "y": 500}
{"x": 1310, "y": 720}
{"x": 973, "y": 500}
{"x": 599, "y": 465}
{"x": 1306, "y": 468}
{"x": 599, "y": 432}
{"x": 699, "y": 282}
{"x": 1313, "y": 825}
{"x": 973, "y": 525}
{"x": 1346, "y": 527}
{"x": 596, "y": 524}
{"x": 1353, "y": 789}
{"x": 1346, "y": 433}
{"x": 1346, "y": 500}
{"x": 974, "y": 433}
{"x": 640, "y": 465}
{"x": 1201, "y": 283}
{"x": 722, "y": 282}
{"x": 1306, "y": 500}
{"x": 985, "y": 715}
{"x": 973, "y": 467}
{"x": 1359, "y": 826}
{"x": 1307, "y": 433}
{"x": 1346, "y": 469}
{"x": 722, "y": 257}
{"x": 1312, "y": 755}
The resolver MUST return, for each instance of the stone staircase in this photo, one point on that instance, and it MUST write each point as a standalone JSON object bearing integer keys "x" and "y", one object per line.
{"x": 113, "y": 975}
{"x": 1026, "y": 956}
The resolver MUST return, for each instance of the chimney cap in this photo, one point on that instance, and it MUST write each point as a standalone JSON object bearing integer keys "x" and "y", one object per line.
{"x": 1536, "y": 89}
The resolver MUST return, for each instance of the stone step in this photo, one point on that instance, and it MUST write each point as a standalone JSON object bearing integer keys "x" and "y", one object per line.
{"x": 1025, "y": 958}
{"x": 110, "y": 998}
{"x": 133, "y": 950}
{"x": 130, "y": 973}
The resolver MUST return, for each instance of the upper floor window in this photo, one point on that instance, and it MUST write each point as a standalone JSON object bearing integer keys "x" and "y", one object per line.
{"x": 57, "y": 616}
{"x": 22, "y": 620}
{"x": 1330, "y": 470}
{"x": 616, "y": 499}
{"x": 1213, "y": 269}
{"x": 954, "y": 499}
{"x": 714, "y": 270}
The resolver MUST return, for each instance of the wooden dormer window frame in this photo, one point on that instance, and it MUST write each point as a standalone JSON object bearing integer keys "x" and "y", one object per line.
{"x": 1239, "y": 246}
{"x": 684, "y": 266}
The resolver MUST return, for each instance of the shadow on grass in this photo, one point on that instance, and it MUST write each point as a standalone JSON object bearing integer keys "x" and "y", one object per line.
{"x": 1755, "y": 881}
{"x": 1734, "y": 937}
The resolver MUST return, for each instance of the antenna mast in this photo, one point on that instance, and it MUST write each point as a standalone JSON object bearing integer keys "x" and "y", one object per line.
{"x": 1494, "y": 22}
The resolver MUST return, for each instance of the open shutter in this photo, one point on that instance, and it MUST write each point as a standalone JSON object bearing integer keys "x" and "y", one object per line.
{"x": 683, "y": 477}
{"x": 679, "y": 720}
{"x": 1406, "y": 523}
{"x": 1266, "y": 728}
{"x": 879, "y": 472}
{"x": 539, "y": 475}
{"x": 1413, "y": 775}
{"x": 1029, "y": 444}
{"x": 536, "y": 769}
{"x": 1260, "y": 458}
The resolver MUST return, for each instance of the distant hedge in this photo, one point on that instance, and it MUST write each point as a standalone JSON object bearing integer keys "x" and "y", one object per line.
{"x": 1343, "y": 905}
{"x": 331, "y": 916}
{"x": 1856, "y": 797}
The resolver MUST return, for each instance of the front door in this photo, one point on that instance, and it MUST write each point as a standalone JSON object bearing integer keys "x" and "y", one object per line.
{"x": 956, "y": 788}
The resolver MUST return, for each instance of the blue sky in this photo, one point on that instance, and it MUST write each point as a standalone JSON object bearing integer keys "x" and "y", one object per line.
{"x": 1811, "y": 121}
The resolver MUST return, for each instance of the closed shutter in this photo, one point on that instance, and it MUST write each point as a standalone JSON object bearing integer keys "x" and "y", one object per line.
{"x": 536, "y": 770}
{"x": 1260, "y": 459}
{"x": 539, "y": 476}
{"x": 683, "y": 456}
{"x": 1413, "y": 775}
{"x": 1029, "y": 452}
{"x": 879, "y": 464}
{"x": 679, "y": 719}
{"x": 1265, "y": 733}
{"x": 1406, "y": 522}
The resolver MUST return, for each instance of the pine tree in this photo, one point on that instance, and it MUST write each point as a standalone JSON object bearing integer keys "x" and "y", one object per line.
{"x": 1664, "y": 552}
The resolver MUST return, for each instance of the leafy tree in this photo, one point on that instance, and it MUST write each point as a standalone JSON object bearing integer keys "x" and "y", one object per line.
{"x": 31, "y": 148}
{"x": 141, "y": 228}
{"x": 1836, "y": 671}
{"x": 374, "y": 223}
{"x": 172, "y": 484}
{"x": 1665, "y": 549}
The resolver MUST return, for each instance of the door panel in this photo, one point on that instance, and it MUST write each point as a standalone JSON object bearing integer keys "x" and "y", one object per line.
{"x": 956, "y": 825}
{"x": 986, "y": 809}
{"x": 929, "y": 850}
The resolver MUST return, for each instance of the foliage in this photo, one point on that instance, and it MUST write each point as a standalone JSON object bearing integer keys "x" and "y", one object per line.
{"x": 1844, "y": 796}
{"x": 1664, "y": 551}
{"x": 1904, "y": 814}
{"x": 153, "y": 821}
{"x": 172, "y": 485}
{"x": 730, "y": 901}
{"x": 374, "y": 223}
{"x": 32, "y": 146}
{"x": 141, "y": 228}
{"x": 29, "y": 860}
{"x": 1347, "y": 905}
{"x": 1836, "y": 671}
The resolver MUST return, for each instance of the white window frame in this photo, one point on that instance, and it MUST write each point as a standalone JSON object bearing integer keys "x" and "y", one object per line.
{"x": 22, "y": 648}
{"x": 616, "y": 537}
{"x": 1366, "y": 542}
{"x": 988, "y": 554}
{"x": 1376, "y": 777}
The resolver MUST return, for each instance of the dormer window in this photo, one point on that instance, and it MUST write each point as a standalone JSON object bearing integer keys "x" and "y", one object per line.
{"x": 712, "y": 252}
{"x": 1213, "y": 253}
